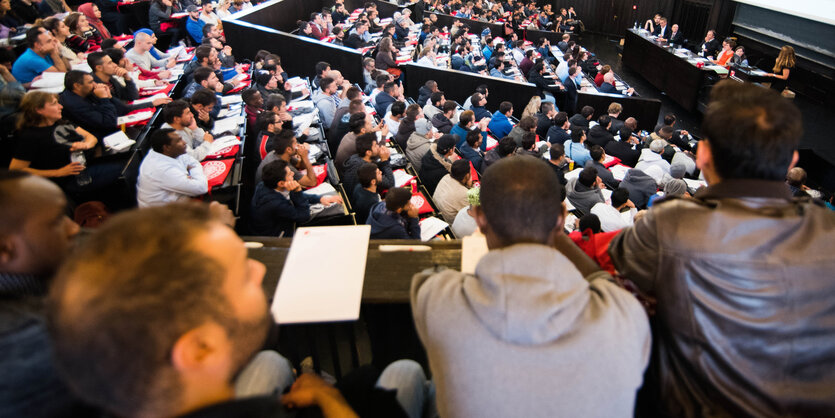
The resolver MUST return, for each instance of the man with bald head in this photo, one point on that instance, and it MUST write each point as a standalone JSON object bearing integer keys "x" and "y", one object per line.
{"x": 35, "y": 235}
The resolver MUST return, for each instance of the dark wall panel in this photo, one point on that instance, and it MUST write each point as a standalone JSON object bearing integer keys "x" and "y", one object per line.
{"x": 280, "y": 14}
{"x": 299, "y": 54}
{"x": 458, "y": 85}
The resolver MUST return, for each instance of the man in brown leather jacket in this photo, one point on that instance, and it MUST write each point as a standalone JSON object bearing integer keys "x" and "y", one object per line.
{"x": 742, "y": 272}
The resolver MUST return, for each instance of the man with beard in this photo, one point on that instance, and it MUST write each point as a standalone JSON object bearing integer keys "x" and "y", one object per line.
{"x": 35, "y": 235}
{"x": 150, "y": 321}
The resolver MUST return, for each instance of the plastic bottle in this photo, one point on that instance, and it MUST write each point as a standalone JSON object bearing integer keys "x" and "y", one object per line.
{"x": 83, "y": 178}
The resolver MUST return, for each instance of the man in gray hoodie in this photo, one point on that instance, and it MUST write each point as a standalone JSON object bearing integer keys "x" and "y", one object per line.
{"x": 584, "y": 190}
{"x": 539, "y": 330}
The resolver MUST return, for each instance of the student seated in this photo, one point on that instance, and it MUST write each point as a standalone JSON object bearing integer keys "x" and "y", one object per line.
{"x": 539, "y": 304}
{"x": 395, "y": 217}
{"x": 279, "y": 205}
{"x": 35, "y": 236}
{"x": 437, "y": 162}
{"x": 46, "y": 143}
{"x": 368, "y": 151}
{"x": 41, "y": 56}
{"x": 168, "y": 173}
{"x": 451, "y": 194}
{"x": 198, "y": 319}
{"x": 179, "y": 117}
{"x": 365, "y": 195}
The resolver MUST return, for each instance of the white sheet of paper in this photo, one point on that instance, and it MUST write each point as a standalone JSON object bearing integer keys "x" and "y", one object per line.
{"x": 312, "y": 291}
{"x": 230, "y": 124}
{"x": 220, "y": 143}
{"x": 150, "y": 98}
{"x": 49, "y": 79}
{"x": 619, "y": 171}
{"x": 401, "y": 178}
{"x": 431, "y": 226}
{"x": 323, "y": 189}
{"x": 473, "y": 247}
{"x": 118, "y": 141}
{"x": 134, "y": 117}
{"x": 236, "y": 98}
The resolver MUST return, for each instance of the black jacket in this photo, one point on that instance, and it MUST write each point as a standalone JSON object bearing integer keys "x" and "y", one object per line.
{"x": 442, "y": 123}
{"x": 386, "y": 224}
{"x": 97, "y": 116}
{"x": 543, "y": 124}
{"x": 623, "y": 151}
{"x": 599, "y": 136}
{"x": 431, "y": 171}
{"x": 352, "y": 164}
{"x": 579, "y": 121}
{"x": 604, "y": 174}
{"x": 362, "y": 201}
{"x": 354, "y": 41}
{"x": 423, "y": 95}
{"x": 273, "y": 214}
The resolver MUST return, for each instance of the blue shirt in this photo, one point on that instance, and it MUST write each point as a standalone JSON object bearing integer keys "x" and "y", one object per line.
{"x": 500, "y": 125}
{"x": 496, "y": 73}
{"x": 577, "y": 152}
{"x": 195, "y": 29}
{"x": 30, "y": 65}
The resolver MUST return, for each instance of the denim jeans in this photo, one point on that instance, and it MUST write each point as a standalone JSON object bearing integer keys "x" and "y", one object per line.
{"x": 413, "y": 390}
{"x": 267, "y": 374}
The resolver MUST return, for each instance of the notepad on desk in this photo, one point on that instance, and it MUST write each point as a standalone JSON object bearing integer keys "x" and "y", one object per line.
{"x": 310, "y": 291}
{"x": 230, "y": 124}
{"x": 431, "y": 226}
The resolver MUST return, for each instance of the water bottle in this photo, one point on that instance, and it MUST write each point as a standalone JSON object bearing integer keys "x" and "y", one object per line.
{"x": 82, "y": 178}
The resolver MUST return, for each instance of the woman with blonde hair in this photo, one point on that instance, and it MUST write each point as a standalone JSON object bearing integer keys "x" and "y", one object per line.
{"x": 532, "y": 107}
{"x": 782, "y": 68}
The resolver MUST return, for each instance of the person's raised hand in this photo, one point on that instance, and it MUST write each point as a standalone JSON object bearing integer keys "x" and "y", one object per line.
{"x": 385, "y": 153}
{"x": 101, "y": 91}
{"x": 412, "y": 212}
{"x": 303, "y": 151}
{"x": 285, "y": 117}
{"x": 207, "y": 137}
{"x": 293, "y": 186}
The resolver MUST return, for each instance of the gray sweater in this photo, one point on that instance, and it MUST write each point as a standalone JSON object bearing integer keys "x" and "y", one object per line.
{"x": 528, "y": 336}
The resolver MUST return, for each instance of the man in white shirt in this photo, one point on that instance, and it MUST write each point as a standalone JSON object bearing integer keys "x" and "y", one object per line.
{"x": 208, "y": 15}
{"x": 178, "y": 116}
{"x": 619, "y": 214}
{"x": 167, "y": 173}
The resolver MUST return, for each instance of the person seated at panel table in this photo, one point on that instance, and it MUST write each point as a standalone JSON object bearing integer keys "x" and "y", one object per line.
{"x": 727, "y": 52}
{"x": 739, "y": 57}
{"x": 675, "y": 37}
{"x": 278, "y": 205}
{"x": 608, "y": 86}
{"x": 395, "y": 217}
{"x": 167, "y": 173}
{"x": 41, "y": 56}
{"x": 651, "y": 24}
{"x": 710, "y": 46}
